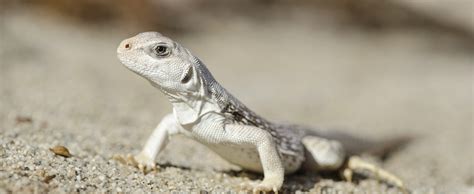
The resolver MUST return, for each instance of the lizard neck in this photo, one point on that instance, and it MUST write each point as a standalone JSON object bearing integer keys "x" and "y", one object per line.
{"x": 190, "y": 106}
{"x": 190, "y": 110}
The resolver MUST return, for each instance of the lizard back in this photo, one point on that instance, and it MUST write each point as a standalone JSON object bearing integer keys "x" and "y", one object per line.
{"x": 287, "y": 137}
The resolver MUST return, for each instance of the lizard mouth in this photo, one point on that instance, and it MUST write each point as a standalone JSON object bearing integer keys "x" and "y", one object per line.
{"x": 131, "y": 65}
{"x": 124, "y": 60}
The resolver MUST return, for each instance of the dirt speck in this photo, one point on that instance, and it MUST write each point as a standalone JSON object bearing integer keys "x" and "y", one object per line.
{"x": 48, "y": 178}
{"x": 61, "y": 151}
{"x": 23, "y": 119}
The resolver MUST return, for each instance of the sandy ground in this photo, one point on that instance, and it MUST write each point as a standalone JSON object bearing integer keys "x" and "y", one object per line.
{"x": 67, "y": 80}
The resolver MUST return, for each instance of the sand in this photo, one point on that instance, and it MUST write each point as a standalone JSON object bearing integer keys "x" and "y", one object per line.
{"x": 61, "y": 84}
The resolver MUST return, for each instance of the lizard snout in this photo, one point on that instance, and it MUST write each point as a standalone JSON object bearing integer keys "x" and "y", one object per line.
{"x": 124, "y": 46}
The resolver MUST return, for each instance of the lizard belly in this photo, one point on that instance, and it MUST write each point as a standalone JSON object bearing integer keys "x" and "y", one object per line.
{"x": 210, "y": 132}
{"x": 244, "y": 156}
{"x": 248, "y": 158}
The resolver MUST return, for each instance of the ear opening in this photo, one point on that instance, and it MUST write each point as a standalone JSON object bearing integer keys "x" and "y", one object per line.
{"x": 188, "y": 74}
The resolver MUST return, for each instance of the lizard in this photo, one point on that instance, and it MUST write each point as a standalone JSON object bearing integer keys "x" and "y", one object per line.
{"x": 205, "y": 111}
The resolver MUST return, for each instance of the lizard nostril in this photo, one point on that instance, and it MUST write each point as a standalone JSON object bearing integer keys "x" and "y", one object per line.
{"x": 127, "y": 46}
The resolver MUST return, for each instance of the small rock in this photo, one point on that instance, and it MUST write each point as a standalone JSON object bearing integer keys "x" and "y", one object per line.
{"x": 41, "y": 173}
{"x": 71, "y": 173}
{"x": 61, "y": 151}
{"x": 2, "y": 152}
{"x": 23, "y": 119}
{"x": 43, "y": 125}
{"x": 48, "y": 178}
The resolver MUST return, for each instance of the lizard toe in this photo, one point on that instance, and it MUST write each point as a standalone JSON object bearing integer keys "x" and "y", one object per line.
{"x": 142, "y": 162}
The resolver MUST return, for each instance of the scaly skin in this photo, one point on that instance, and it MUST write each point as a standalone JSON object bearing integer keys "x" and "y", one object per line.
{"x": 205, "y": 111}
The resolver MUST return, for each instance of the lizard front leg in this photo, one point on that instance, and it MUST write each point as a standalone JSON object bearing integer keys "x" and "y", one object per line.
{"x": 145, "y": 160}
{"x": 270, "y": 160}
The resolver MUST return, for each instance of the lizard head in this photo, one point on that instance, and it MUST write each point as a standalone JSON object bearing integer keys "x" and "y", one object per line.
{"x": 165, "y": 63}
{"x": 174, "y": 70}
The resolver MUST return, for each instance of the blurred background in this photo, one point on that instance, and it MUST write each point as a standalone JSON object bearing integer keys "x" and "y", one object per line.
{"x": 374, "y": 68}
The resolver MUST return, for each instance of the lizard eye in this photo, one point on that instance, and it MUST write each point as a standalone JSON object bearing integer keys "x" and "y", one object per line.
{"x": 162, "y": 50}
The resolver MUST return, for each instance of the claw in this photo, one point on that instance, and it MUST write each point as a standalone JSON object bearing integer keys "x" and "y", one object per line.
{"x": 347, "y": 174}
{"x": 259, "y": 187}
{"x": 131, "y": 161}
{"x": 119, "y": 158}
{"x": 248, "y": 186}
{"x": 143, "y": 163}
{"x": 356, "y": 163}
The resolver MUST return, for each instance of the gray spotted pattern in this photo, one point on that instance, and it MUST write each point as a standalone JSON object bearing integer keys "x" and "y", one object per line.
{"x": 287, "y": 137}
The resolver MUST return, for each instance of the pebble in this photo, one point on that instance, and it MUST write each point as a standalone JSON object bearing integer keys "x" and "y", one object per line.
{"x": 61, "y": 151}
{"x": 3, "y": 152}
{"x": 71, "y": 173}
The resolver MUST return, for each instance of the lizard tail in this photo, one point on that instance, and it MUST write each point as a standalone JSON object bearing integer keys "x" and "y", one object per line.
{"x": 354, "y": 145}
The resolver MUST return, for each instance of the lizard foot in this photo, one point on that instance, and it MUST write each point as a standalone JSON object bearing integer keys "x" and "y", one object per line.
{"x": 264, "y": 186}
{"x": 140, "y": 161}
{"x": 356, "y": 163}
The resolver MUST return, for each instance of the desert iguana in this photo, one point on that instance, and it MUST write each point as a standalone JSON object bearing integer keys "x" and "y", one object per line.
{"x": 205, "y": 111}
